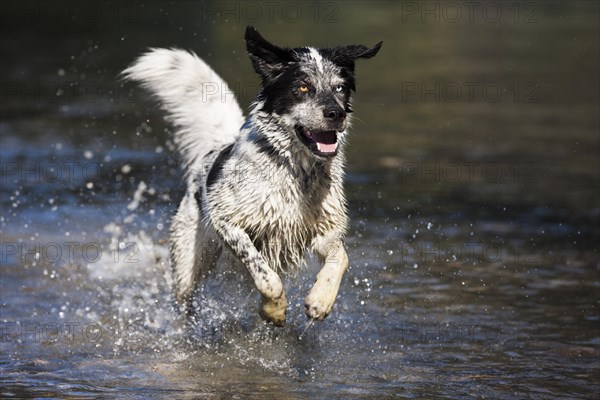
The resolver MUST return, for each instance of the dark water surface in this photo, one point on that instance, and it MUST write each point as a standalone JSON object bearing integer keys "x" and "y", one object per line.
{"x": 473, "y": 181}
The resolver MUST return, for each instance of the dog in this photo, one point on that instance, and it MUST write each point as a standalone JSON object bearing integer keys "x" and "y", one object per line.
{"x": 267, "y": 187}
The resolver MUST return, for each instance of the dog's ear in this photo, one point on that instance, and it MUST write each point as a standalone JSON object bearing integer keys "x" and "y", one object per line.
{"x": 346, "y": 55}
{"x": 267, "y": 58}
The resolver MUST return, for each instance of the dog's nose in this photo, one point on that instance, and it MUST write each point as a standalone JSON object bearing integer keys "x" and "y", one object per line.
{"x": 334, "y": 113}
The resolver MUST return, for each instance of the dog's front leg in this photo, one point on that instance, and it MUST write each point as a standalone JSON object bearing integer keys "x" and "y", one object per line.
{"x": 273, "y": 302}
{"x": 321, "y": 297}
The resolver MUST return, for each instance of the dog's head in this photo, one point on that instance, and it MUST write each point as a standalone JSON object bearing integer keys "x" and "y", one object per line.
{"x": 308, "y": 88}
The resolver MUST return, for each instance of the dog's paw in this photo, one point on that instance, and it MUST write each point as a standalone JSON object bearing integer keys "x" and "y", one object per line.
{"x": 273, "y": 310}
{"x": 319, "y": 302}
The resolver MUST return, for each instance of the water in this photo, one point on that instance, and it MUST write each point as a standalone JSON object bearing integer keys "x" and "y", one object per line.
{"x": 474, "y": 223}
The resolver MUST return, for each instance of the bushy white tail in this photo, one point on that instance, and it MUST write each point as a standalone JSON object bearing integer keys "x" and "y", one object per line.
{"x": 198, "y": 102}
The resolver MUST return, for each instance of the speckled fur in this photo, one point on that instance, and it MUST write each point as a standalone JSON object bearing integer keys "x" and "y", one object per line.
{"x": 254, "y": 188}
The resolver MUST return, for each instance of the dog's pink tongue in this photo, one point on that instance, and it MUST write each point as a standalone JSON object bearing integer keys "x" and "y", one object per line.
{"x": 326, "y": 147}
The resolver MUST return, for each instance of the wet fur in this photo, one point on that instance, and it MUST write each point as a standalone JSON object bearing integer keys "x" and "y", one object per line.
{"x": 259, "y": 187}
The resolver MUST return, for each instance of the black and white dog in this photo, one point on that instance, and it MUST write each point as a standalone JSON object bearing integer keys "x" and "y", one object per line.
{"x": 269, "y": 186}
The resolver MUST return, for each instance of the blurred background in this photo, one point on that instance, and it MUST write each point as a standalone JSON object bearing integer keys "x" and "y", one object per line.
{"x": 473, "y": 184}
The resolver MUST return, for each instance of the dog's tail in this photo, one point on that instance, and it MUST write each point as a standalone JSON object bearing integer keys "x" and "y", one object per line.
{"x": 200, "y": 105}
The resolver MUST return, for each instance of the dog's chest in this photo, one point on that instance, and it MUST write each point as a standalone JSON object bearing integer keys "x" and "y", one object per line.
{"x": 281, "y": 210}
{"x": 289, "y": 218}
{"x": 289, "y": 204}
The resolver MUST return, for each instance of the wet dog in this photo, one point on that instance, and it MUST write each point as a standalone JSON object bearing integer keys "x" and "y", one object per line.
{"x": 267, "y": 187}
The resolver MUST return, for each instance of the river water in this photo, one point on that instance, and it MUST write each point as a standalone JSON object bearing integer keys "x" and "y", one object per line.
{"x": 473, "y": 180}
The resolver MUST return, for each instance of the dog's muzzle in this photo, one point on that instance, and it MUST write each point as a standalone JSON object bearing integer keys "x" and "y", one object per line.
{"x": 321, "y": 143}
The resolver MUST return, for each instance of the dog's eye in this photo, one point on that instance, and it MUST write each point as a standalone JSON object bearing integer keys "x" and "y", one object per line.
{"x": 303, "y": 89}
{"x": 339, "y": 88}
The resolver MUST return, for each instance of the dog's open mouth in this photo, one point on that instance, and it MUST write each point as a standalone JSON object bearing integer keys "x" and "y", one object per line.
{"x": 321, "y": 143}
